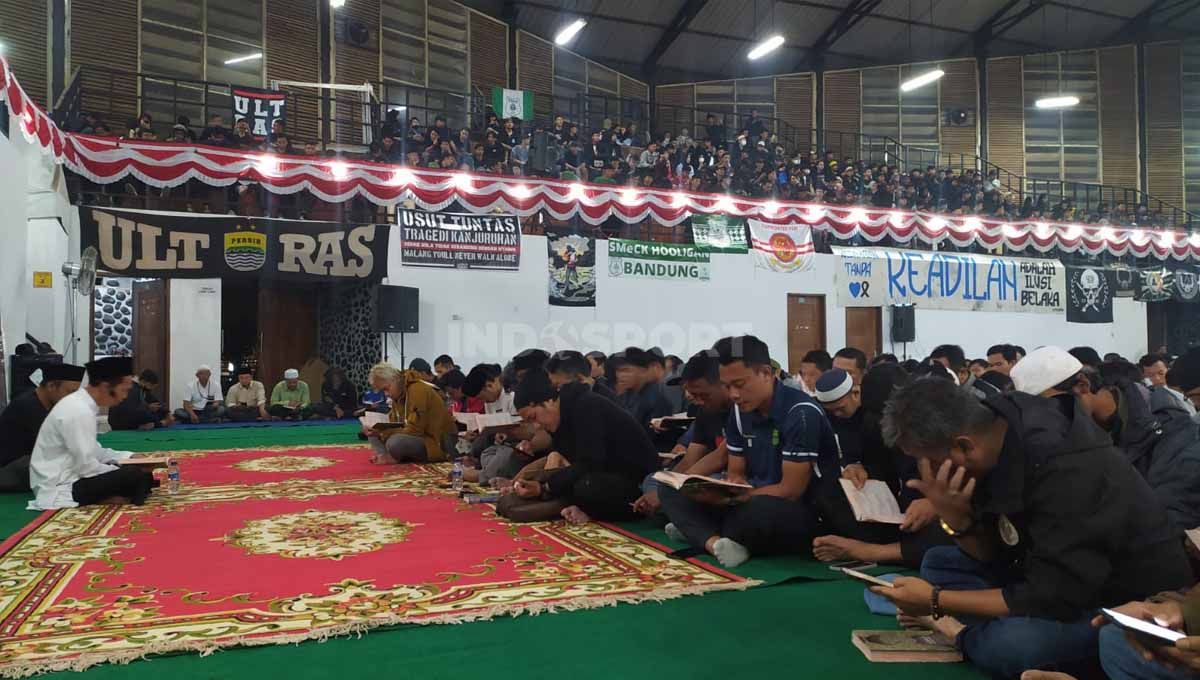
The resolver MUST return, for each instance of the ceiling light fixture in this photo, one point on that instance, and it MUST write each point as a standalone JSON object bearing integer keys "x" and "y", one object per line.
{"x": 765, "y": 47}
{"x": 564, "y": 36}
{"x": 248, "y": 57}
{"x": 1057, "y": 102}
{"x": 921, "y": 80}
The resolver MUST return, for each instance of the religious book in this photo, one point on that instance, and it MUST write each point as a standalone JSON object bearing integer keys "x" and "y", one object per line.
{"x": 691, "y": 483}
{"x": 147, "y": 461}
{"x": 370, "y": 418}
{"x": 873, "y": 503}
{"x": 480, "y": 422}
{"x": 905, "y": 646}
{"x": 679, "y": 421}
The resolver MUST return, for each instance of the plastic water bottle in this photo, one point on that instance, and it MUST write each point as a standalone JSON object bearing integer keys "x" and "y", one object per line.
{"x": 173, "y": 476}
{"x": 456, "y": 476}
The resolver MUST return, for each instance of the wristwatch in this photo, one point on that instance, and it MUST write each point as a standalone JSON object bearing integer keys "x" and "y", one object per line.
{"x": 935, "y": 603}
{"x": 950, "y": 531}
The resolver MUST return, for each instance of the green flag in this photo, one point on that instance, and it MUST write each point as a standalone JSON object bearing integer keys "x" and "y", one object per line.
{"x": 719, "y": 234}
{"x": 512, "y": 103}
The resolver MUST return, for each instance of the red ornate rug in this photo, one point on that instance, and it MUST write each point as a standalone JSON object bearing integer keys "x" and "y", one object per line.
{"x": 277, "y": 546}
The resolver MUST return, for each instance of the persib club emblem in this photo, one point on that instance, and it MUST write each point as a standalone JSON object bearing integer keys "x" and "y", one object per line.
{"x": 245, "y": 251}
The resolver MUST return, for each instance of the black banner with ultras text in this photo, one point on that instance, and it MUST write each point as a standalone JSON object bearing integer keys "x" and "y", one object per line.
{"x": 459, "y": 240}
{"x": 175, "y": 245}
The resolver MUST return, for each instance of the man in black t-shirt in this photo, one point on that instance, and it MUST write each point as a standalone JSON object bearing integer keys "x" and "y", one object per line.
{"x": 22, "y": 420}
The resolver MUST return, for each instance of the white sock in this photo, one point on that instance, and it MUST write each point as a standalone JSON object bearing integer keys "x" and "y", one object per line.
{"x": 674, "y": 533}
{"x": 730, "y": 553}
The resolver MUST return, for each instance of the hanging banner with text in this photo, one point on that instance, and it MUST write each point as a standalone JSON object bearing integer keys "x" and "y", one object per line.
{"x": 719, "y": 233}
{"x": 572, "y": 267}
{"x": 648, "y": 260}
{"x": 874, "y": 277}
{"x": 459, "y": 240}
{"x": 260, "y": 108}
{"x": 176, "y": 245}
{"x": 782, "y": 247}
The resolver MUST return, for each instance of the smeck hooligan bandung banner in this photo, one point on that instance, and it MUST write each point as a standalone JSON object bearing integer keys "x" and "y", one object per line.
{"x": 873, "y": 277}
{"x": 178, "y": 245}
{"x": 261, "y": 108}
{"x": 459, "y": 240}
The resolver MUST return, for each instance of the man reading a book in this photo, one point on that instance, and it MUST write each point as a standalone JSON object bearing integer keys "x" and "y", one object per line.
{"x": 290, "y": 398}
{"x": 1050, "y": 520}
{"x": 604, "y": 455}
{"x": 22, "y": 419}
{"x": 869, "y": 468}
{"x": 780, "y": 443}
{"x": 641, "y": 393}
{"x": 246, "y": 400}
{"x": 421, "y": 427}
{"x": 705, "y": 452}
{"x": 568, "y": 366}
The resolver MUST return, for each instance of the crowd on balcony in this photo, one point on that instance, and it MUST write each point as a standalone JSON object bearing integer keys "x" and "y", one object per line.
{"x": 752, "y": 161}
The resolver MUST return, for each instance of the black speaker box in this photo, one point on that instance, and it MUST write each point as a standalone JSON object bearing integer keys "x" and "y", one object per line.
{"x": 904, "y": 323}
{"x": 394, "y": 309}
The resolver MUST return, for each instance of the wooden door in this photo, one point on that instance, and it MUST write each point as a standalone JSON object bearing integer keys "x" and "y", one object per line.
{"x": 806, "y": 327}
{"x": 151, "y": 332}
{"x": 287, "y": 330}
{"x": 864, "y": 329}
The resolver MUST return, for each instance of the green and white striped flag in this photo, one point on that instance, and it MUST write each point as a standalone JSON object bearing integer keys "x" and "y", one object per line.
{"x": 512, "y": 103}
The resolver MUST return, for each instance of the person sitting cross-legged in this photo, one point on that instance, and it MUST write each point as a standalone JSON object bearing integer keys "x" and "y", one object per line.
{"x": 1051, "y": 522}
{"x": 855, "y": 413}
{"x": 423, "y": 431}
{"x": 339, "y": 398}
{"x": 598, "y": 459}
{"x": 21, "y": 421}
{"x": 246, "y": 400}
{"x": 68, "y": 467}
{"x": 141, "y": 410}
{"x": 204, "y": 400}
{"x": 780, "y": 443}
{"x": 290, "y": 398}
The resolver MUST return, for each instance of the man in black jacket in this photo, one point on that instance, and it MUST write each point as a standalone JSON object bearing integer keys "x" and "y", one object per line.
{"x": 1148, "y": 424}
{"x": 1050, "y": 520}
{"x": 602, "y": 454}
{"x": 22, "y": 419}
{"x": 141, "y": 410}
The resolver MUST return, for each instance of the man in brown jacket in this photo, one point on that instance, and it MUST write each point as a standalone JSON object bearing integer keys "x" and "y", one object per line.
{"x": 423, "y": 431}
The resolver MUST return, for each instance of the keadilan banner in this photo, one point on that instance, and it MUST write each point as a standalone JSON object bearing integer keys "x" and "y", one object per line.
{"x": 177, "y": 245}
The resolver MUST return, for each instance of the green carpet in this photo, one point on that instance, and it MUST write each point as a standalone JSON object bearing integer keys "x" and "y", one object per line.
{"x": 798, "y": 628}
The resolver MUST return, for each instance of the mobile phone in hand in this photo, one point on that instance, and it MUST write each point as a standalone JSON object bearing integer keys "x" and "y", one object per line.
{"x": 867, "y": 578}
{"x": 1146, "y": 632}
{"x": 858, "y": 565}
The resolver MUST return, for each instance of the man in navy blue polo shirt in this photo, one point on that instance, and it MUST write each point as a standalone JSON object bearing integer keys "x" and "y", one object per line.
{"x": 778, "y": 440}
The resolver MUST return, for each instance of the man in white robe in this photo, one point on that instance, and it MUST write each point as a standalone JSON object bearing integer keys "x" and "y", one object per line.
{"x": 69, "y": 467}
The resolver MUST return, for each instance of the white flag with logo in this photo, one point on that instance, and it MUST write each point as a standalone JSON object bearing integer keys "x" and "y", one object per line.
{"x": 512, "y": 103}
{"x": 782, "y": 247}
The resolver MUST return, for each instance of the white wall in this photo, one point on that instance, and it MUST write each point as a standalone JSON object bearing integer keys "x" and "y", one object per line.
{"x": 195, "y": 332}
{"x": 489, "y": 316}
{"x": 15, "y": 279}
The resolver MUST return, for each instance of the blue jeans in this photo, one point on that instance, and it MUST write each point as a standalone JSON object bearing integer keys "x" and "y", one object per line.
{"x": 1122, "y": 662}
{"x": 1006, "y": 647}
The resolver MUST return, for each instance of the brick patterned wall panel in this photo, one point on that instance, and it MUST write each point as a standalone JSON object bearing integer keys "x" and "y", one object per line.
{"x": 293, "y": 53}
{"x": 1006, "y": 114}
{"x": 960, "y": 90}
{"x": 1164, "y": 123}
{"x": 795, "y": 97}
{"x": 354, "y": 65}
{"x": 634, "y": 89}
{"x": 345, "y": 337}
{"x": 843, "y": 110}
{"x": 489, "y": 54}
{"x": 535, "y": 71}
{"x": 105, "y": 34}
{"x": 667, "y": 117}
{"x": 1118, "y": 116}
{"x": 23, "y": 31}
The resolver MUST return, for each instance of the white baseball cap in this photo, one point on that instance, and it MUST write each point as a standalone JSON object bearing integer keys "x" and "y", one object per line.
{"x": 1042, "y": 369}
{"x": 291, "y": 374}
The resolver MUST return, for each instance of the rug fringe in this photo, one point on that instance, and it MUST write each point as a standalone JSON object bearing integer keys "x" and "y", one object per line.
{"x": 359, "y": 628}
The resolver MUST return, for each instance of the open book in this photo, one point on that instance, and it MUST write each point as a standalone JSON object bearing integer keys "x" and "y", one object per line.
{"x": 147, "y": 461}
{"x": 679, "y": 420}
{"x": 1194, "y": 536}
{"x": 686, "y": 483}
{"x": 911, "y": 646}
{"x": 371, "y": 418}
{"x": 873, "y": 503}
{"x": 478, "y": 422}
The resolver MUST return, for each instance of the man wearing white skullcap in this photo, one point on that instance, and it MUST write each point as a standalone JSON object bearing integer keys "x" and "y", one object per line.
{"x": 204, "y": 403}
{"x": 290, "y": 398}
